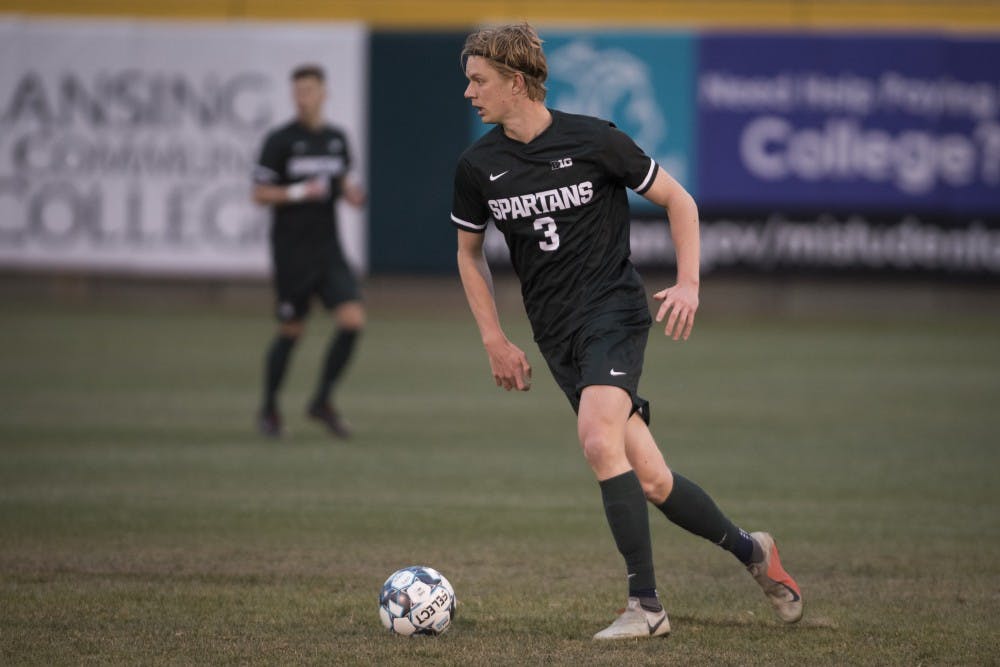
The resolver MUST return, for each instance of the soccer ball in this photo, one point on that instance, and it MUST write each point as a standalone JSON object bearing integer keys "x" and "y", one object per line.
{"x": 416, "y": 600}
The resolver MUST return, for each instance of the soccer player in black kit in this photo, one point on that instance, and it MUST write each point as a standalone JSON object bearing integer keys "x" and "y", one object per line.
{"x": 301, "y": 173}
{"x": 554, "y": 184}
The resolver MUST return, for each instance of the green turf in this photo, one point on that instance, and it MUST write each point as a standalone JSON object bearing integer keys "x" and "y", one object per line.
{"x": 141, "y": 520}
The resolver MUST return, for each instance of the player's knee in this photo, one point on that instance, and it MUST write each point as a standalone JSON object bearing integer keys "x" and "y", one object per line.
{"x": 350, "y": 316}
{"x": 291, "y": 329}
{"x": 352, "y": 324}
{"x": 599, "y": 451}
{"x": 658, "y": 487}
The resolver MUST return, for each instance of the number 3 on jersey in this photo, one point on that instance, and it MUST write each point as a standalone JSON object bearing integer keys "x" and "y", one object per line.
{"x": 548, "y": 226}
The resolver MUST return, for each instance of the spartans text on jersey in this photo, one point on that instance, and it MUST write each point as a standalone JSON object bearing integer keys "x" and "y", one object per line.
{"x": 538, "y": 203}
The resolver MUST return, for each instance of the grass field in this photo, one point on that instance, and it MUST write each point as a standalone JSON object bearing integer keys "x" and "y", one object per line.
{"x": 142, "y": 521}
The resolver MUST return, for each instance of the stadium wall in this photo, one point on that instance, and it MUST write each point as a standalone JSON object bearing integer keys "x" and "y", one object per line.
{"x": 418, "y": 129}
{"x": 837, "y": 151}
{"x": 976, "y": 15}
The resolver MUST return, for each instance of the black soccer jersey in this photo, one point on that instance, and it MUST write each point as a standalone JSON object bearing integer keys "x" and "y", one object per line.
{"x": 561, "y": 204}
{"x": 291, "y": 154}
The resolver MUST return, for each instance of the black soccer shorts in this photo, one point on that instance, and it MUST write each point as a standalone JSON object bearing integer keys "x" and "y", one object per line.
{"x": 605, "y": 351}
{"x": 295, "y": 284}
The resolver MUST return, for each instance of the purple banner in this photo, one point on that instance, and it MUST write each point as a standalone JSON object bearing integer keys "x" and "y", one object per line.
{"x": 870, "y": 123}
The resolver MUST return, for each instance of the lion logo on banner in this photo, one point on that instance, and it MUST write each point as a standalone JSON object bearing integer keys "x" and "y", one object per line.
{"x": 612, "y": 84}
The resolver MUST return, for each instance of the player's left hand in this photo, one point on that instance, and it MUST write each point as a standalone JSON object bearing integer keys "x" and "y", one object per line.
{"x": 509, "y": 365}
{"x": 681, "y": 301}
{"x": 354, "y": 194}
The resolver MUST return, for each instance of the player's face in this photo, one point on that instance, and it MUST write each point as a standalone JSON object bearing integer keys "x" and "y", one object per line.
{"x": 309, "y": 94}
{"x": 490, "y": 92}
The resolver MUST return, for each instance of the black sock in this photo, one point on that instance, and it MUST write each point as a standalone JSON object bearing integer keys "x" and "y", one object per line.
{"x": 625, "y": 508}
{"x": 338, "y": 353}
{"x": 694, "y": 510}
{"x": 275, "y": 365}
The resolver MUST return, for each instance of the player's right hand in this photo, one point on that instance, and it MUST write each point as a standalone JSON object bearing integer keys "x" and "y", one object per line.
{"x": 510, "y": 366}
{"x": 317, "y": 188}
{"x": 311, "y": 190}
{"x": 681, "y": 301}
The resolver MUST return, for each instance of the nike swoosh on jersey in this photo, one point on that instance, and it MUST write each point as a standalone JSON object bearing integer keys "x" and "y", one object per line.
{"x": 617, "y": 373}
{"x": 493, "y": 178}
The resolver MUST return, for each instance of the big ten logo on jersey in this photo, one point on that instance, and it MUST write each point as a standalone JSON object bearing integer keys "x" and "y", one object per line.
{"x": 562, "y": 164}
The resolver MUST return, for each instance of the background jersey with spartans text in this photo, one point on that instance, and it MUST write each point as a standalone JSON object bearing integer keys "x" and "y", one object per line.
{"x": 293, "y": 154}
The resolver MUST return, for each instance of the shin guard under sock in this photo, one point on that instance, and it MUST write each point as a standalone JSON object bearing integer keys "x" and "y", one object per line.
{"x": 628, "y": 517}
{"x": 692, "y": 509}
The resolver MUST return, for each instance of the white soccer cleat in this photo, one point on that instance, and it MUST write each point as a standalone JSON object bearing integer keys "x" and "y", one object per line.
{"x": 779, "y": 587}
{"x": 636, "y": 622}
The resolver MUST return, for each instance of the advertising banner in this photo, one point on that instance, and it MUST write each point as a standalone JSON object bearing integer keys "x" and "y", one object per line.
{"x": 827, "y": 242}
{"x": 129, "y": 146}
{"x": 643, "y": 82}
{"x": 849, "y": 123}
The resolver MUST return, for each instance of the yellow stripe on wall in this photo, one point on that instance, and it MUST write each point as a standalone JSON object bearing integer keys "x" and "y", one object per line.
{"x": 965, "y": 15}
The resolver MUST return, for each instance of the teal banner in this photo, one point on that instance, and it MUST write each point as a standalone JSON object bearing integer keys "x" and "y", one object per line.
{"x": 643, "y": 82}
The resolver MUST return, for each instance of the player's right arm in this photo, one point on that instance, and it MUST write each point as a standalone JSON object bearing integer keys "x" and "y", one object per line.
{"x": 627, "y": 161}
{"x": 508, "y": 362}
{"x": 271, "y": 195}
{"x": 681, "y": 300}
{"x": 270, "y": 186}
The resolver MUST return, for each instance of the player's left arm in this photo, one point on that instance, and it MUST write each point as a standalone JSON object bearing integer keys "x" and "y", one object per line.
{"x": 508, "y": 362}
{"x": 354, "y": 194}
{"x": 351, "y": 190}
{"x": 681, "y": 300}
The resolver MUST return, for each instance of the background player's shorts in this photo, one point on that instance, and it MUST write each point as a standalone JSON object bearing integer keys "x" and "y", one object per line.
{"x": 296, "y": 283}
{"x": 603, "y": 352}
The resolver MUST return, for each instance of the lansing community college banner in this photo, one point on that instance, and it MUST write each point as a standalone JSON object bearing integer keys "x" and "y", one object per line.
{"x": 128, "y": 146}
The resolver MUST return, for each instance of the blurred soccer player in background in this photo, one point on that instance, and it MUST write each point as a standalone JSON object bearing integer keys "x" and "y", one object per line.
{"x": 554, "y": 185}
{"x": 301, "y": 174}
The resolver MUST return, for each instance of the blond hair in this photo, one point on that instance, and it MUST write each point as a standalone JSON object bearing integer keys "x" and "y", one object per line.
{"x": 512, "y": 49}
